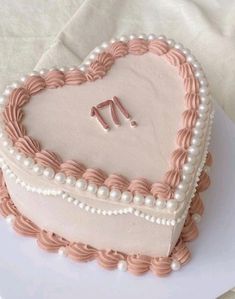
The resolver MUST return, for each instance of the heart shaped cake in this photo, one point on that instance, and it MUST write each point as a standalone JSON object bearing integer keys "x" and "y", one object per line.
{"x": 106, "y": 161}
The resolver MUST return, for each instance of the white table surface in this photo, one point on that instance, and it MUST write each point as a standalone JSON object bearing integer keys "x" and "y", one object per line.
{"x": 28, "y": 272}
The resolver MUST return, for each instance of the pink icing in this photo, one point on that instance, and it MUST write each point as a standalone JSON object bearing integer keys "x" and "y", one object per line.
{"x": 204, "y": 182}
{"x": 191, "y": 84}
{"x": 140, "y": 186}
{"x": 48, "y": 159}
{"x": 197, "y": 205}
{"x": 162, "y": 190}
{"x": 28, "y": 145}
{"x": 158, "y": 47}
{"x": 181, "y": 252}
{"x": 73, "y": 168}
{"x": 81, "y": 252}
{"x": 19, "y": 97}
{"x": 50, "y": 241}
{"x": 54, "y": 79}
{"x": 75, "y": 77}
{"x": 172, "y": 177}
{"x": 190, "y": 230}
{"x": 117, "y": 182}
{"x": 209, "y": 159}
{"x": 95, "y": 176}
{"x": 138, "y": 264}
{"x": 25, "y": 227}
{"x": 161, "y": 266}
{"x": 96, "y": 71}
{"x": 105, "y": 59}
{"x": 109, "y": 259}
{"x": 179, "y": 158}
{"x": 34, "y": 84}
{"x": 12, "y": 113}
{"x": 15, "y": 130}
{"x": 175, "y": 57}
{"x": 185, "y": 70}
{"x": 192, "y": 100}
{"x": 118, "y": 49}
{"x": 184, "y": 137}
{"x": 189, "y": 118}
{"x": 138, "y": 46}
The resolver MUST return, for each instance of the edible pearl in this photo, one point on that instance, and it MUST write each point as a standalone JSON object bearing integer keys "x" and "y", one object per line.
{"x": 138, "y": 199}
{"x": 178, "y": 46}
{"x": 103, "y": 192}
{"x": 190, "y": 58}
{"x": 171, "y": 205}
{"x": 199, "y": 124}
{"x": 60, "y": 177}
{"x": 197, "y": 132}
{"x": 82, "y": 68}
{"x": 162, "y": 37}
{"x": 196, "y": 65}
{"x": 188, "y": 168}
{"x": 115, "y": 194}
{"x": 132, "y": 36}
{"x": 171, "y": 42}
{"x": 182, "y": 187}
{"x": 10, "y": 218}
{"x": 151, "y": 36}
{"x": 175, "y": 265}
{"x": 123, "y": 38}
{"x": 196, "y": 217}
{"x": 142, "y": 36}
{"x": 34, "y": 73}
{"x": 19, "y": 156}
{"x": 7, "y": 142}
{"x": 186, "y": 51}
{"x": 113, "y": 40}
{"x": 205, "y": 100}
{"x": 43, "y": 71}
{"x": 92, "y": 188}
{"x": 81, "y": 184}
{"x": 203, "y": 108}
{"x": 149, "y": 200}
{"x": 160, "y": 203}
{"x": 24, "y": 78}
{"x": 7, "y": 91}
{"x": 104, "y": 45}
{"x": 203, "y": 90}
{"x": 179, "y": 195}
{"x": 62, "y": 251}
{"x": 98, "y": 50}
{"x": 49, "y": 173}
{"x": 196, "y": 141}
{"x": 122, "y": 265}
{"x": 193, "y": 150}
{"x": 28, "y": 162}
{"x": 71, "y": 180}
{"x": 16, "y": 84}
{"x": 38, "y": 169}
{"x": 3, "y": 100}
{"x": 88, "y": 62}
{"x": 126, "y": 197}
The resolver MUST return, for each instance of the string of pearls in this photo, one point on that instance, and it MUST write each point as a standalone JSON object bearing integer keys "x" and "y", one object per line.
{"x": 102, "y": 192}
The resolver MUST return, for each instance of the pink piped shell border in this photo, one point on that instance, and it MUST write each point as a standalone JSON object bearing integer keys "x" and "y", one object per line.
{"x": 136, "y": 263}
{"x": 53, "y": 79}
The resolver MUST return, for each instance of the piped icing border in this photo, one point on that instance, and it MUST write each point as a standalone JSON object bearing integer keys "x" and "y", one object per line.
{"x": 184, "y": 160}
{"x": 109, "y": 259}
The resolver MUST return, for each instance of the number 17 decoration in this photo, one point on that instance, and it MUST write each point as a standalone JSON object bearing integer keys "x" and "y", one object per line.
{"x": 113, "y": 105}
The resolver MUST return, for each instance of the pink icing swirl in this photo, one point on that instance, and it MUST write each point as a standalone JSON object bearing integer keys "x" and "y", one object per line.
{"x": 137, "y": 46}
{"x": 158, "y": 47}
{"x": 48, "y": 159}
{"x": 181, "y": 252}
{"x": 12, "y": 113}
{"x": 161, "y": 266}
{"x": 190, "y": 117}
{"x": 162, "y": 190}
{"x": 117, "y": 182}
{"x": 96, "y": 71}
{"x": 204, "y": 182}
{"x": 178, "y": 158}
{"x": 209, "y": 159}
{"x": 192, "y": 100}
{"x": 197, "y": 205}
{"x": 28, "y": 145}
{"x": 73, "y": 168}
{"x": 190, "y": 230}
{"x": 109, "y": 259}
{"x": 138, "y": 264}
{"x": 25, "y": 227}
{"x": 106, "y": 59}
{"x": 95, "y": 176}
{"x": 184, "y": 137}
{"x": 34, "y": 84}
{"x": 175, "y": 57}
{"x": 7, "y": 207}
{"x": 172, "y": 177}
{"x": 140, "y": 186}
{"x": 50, "y": 241}
{"x": 75, "y": 77}
{"x": 118, "y": 49}
{"x": 81, "y": 252}
{"x": 185, "y": 70}
{"x": 19, "y": 97}
{"x": 191, "y": 84}
{"x": 15, "y": 130}
{"x": 54, "y": 79}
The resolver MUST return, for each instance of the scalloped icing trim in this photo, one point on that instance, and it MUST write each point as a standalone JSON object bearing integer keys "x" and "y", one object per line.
{"x": 97, "y": 69}
{"x": 109, "y": 259}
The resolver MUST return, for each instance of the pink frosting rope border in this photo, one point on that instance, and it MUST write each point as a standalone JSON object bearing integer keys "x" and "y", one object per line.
{"x": 136, "y": 263}
{"x": 165, "y": 188}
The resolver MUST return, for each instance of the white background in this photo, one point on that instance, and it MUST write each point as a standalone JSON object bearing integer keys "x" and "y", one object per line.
{"x": 28, "y": 272}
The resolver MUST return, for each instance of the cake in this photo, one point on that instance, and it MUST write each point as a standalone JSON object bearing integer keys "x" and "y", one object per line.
{"x": 107, "y": 160}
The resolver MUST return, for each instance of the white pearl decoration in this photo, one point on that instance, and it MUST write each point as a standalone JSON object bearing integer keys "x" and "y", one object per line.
{"x": 160, "y": 203}
{"x": 171, "y": 205}
{"x": 62, "y": 251}
{"x": 122, "y": 266}
{"x": 28, "y": 163}
{"x": 38, "y": 169}
{"x": 10, "y": 218}
{"x": 103, "y": 192}
{"x": 3, "y": 100}
{"x": 70, "y": 180}
{"x": 115, "y": 194}
{"x": 179, "y": 195}
{"x": 81, "y": 184}
{"x": 126, "y": 197}
{"x": 138, "y": 199}
{"x": 196, "y": 217}
{"x": 92, "y": 188}
{"x": 175, "y": 265}
{"x": 48, "y": 173}
{"x": 151, "y": 36}
{"x": 149, "y": 200}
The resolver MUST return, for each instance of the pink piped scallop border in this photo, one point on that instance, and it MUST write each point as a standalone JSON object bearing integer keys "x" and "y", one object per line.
{"x": 136, "y": 263}
{"x": 165, "y": 188}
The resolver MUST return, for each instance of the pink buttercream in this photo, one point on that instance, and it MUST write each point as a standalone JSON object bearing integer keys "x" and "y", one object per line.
{"x": 175, "y": 57}
{"x": 12, "y": 113}
{"x": 105, "y": 59}
{"x": 75, "y": 77}
{"x": 140, "y": 186}
{"x": 15, "y": 130}
{"x": 48, "y": 159}
{"x": 54, "y": 79}
{"x": 72, "y": 168}
{"x": 158, "y": 47}
{"x": 19, "y": 97}
{"x": 34, "y": 84}
{"x": 137, "y": 46}
{"x": 28, "y": 145}
{"x": 118, "y": 49}
{"x": 184, "y": 137}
